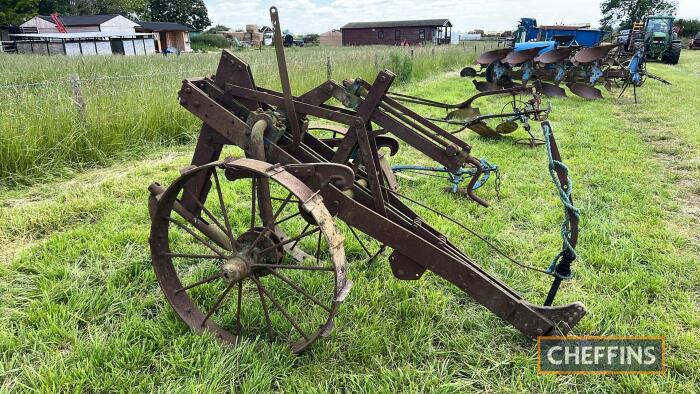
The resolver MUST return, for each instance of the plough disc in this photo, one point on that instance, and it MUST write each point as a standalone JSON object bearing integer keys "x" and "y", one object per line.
{"x": 589, "y": 55}
{"x": 463, "y": 113}
{"x": 469, "y": 72}
{"x": 484, "y": 86}
{"x": 506, "y": 127}
{"x": 489, "y": 57}
{"x": 555, "y": 55}
{"x": 586, "y": 91}
{"x": 551, "y": 90}
{"x": 484, "y": 130}
{"x": 518, "y": 57}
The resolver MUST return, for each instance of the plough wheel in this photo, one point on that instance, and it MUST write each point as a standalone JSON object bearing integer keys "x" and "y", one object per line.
{"x": 228, "y": 273}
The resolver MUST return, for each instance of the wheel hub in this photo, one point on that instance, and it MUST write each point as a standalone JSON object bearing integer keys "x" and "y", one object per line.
{"x": 235, "y": 269}
{"x": 259, "y": 248}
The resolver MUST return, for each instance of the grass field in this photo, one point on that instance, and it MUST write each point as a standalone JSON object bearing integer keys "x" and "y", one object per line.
{"x": 81, "y": 309}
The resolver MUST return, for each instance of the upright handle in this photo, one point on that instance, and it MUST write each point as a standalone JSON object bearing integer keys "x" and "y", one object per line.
{"x": 284, "y": 78}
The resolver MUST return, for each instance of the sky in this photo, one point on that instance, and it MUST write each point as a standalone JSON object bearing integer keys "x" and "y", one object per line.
{"x": 317, "y": 16}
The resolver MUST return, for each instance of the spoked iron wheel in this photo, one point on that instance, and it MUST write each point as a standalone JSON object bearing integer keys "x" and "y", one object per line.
{"x": 262, "y": 257}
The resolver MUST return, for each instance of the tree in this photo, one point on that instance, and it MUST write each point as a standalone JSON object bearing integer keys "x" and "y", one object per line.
{"x": 123, "y": 7}
{"x": 192, "y": 13}
{"x": 624, "y": 13}
{"x": 691, "y": 27}
{"x": 14, "y": 12}
{"x": 128, "y": 8}
{"x": 216, "y": 28}
{"x": 63, "y": 7}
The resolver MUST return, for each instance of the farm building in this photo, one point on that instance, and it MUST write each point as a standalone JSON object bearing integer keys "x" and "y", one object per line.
{"x": 331, "y": 38}
{"x": 84, "y": 43}
{"x": 167, "y": 35}
{"x": 99, "y": 34}
{"x": 411, "y": 32}
{"x": 79, "y": 24}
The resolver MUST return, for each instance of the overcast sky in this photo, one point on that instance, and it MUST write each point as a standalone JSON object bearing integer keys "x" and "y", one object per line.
{"x": 316, "y": 16}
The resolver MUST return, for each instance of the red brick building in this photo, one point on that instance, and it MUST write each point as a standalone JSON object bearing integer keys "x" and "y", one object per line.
{"x": 427, "y": 31}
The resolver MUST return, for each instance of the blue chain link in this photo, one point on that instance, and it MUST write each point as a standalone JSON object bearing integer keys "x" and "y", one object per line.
{"x": 565, "y": 197}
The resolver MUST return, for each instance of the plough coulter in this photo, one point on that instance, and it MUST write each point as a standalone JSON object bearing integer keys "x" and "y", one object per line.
{"x": 254, "y": 246}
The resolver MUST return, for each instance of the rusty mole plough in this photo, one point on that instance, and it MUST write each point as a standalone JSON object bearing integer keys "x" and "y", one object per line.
{"x": 252, "y": 246}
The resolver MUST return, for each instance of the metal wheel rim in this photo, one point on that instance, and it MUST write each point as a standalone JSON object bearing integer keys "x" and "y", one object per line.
{"x": 170, "y": 281}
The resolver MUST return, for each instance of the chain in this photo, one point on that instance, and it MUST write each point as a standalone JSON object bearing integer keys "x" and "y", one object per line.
{"x": 472, "y": 232}
{"x": 568, "y": 251}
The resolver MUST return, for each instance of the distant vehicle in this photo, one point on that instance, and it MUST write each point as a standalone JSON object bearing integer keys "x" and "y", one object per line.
{"x": 694, "y": 43}
{"x": 171, "y": 51}
{"x": 655, "y": 37}
{"x": 290, "y": 41}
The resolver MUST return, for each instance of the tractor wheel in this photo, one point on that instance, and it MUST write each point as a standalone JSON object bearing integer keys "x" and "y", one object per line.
{"x": 673, "y": 54}
{"x": 226, "y": 273}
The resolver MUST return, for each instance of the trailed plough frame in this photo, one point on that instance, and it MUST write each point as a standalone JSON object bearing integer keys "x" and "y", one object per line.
{"x": 578, "y": 67}
{"x": 321, "y": 185}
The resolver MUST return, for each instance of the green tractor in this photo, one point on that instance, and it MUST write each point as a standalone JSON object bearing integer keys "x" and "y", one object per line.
{"x": 657, "y": 38}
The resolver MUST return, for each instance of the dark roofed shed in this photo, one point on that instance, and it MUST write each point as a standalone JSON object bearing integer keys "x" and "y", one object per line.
{"x": 436, "y": 31}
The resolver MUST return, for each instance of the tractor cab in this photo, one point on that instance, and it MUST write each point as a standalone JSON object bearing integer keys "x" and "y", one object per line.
{"x": 658, "y": 39}
{"x": 658, "y": 28}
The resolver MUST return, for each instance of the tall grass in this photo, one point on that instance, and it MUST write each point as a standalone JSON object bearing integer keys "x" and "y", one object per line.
{"x": 131, "y": 101}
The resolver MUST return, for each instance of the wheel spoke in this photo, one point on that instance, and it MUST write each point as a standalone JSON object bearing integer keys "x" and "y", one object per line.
{"x": 200, "y": 282}
{"x": 238, "y": 308}
{"x": 305, "y": 228}
{"x": 264, "y": 307}
{"x": 374, "y": 256}
{"x": 300, "y": 289}
{"x": 192, "y": 256}
{"x": 287, "y": 218}
{"x": 224, "y": 212}
{"x": 282, "y": 199}
{"x": 318, "y": 248}
{"x": 279, "y": 307}
{"x": 294, "y": 267}
{"x": 218, "y": 303}
{"x": 253, "y": 183}
{"x": 294, "y": 239}
{"x": 197, "y": 237}
{"x": 359, "y": 240}
{"x": 272, "y": 223}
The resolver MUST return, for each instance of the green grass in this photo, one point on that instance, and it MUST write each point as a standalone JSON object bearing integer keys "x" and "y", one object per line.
{"x": 131, "y": 104}
{"x": 81, "y": 309}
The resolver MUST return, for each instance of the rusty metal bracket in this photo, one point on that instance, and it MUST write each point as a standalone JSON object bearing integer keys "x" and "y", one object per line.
{"x": 343, "y": 175}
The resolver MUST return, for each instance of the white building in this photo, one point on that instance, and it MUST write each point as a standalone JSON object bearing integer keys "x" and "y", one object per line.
{"x": 80, "y": 24}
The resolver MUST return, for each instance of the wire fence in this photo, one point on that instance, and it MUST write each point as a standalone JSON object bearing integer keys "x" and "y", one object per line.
{"x": 101, "y": 106}
{"x": 324, "y": 64}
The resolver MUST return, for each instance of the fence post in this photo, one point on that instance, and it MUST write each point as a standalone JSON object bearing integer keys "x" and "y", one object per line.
{"x": 432, "y": 52}
{"x": 411, "y": 52}
{"x": 329, "y": 68}
{"x": 78, "y": 95}
{"x": 376, "y": 60}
